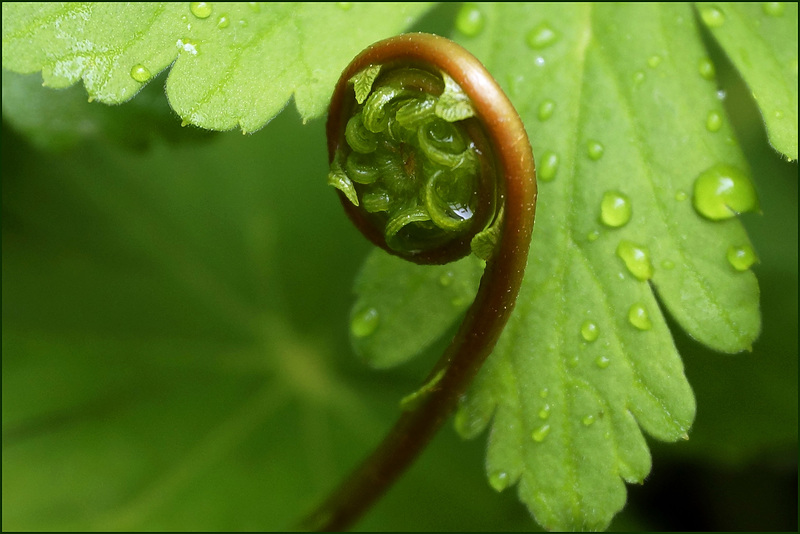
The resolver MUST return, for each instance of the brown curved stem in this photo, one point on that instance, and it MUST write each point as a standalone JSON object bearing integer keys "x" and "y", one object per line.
{"x": 498, "y": 290}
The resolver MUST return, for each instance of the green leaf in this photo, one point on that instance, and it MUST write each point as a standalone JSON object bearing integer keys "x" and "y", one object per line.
{"x": 761, "y": 41}
{"x": 616, "y": 107}
{"x": 403, "y": 308}
{"x": 233, "y": 65}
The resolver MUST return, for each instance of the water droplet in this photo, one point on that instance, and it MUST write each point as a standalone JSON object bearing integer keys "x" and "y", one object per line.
{"x": 588, "y": 420}
{"x": 546, "y": 109}
{"x": 544, "y": 393}
{"x": 544, "y": 413}
{"x": 592, "y": 236}
{"x": 223, "y": 22}
{"x": 242, "y": 23}
{"x": 636, "y": 258}
{"x": 459, "y": 302}
{"x": 773, "y": 9}
{"x": 638, "y": 77}
{"x": 595, "y": 149}
{"x": 540, "y": 433}
{"x": 470, "y": 20}
{"x": 713, "y": 121}
{"x": 741, "y": 258}
{"x": 499, "y": 481}
{"x": 344, "y": 6}
{"x": 639, "y": 318}
{"x": 541, "y": 36}
{"x": 365, "y": 322}
{"x": 668, "y": 265}
{"x": 602, "y": 362}
{"x": 539, "y": 61}
{"x": 573, "y": 361}
{"x": 254, "y": 7}
{"x": 680, "y": 196}
{"x": 721, "y": 94}
{"x": 589, "y": 331}
{"x": 201, "y": 10}
{"x": 706, "y": 68}
{"x": 723, "y": 191}
{"x": 446, "y": 278}
{"x": 654, "y": 61}
{"x": 548, "y": 166}
{"x": 615, "y": 209}
{"x": 140, "y": 73}
{"x": 712, "y": 16}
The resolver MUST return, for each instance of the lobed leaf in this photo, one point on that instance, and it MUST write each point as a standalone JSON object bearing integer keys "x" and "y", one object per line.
{"x": 761, "y": 41}
{"x": 617, "y": 106}
{"x": 233, "y": 64}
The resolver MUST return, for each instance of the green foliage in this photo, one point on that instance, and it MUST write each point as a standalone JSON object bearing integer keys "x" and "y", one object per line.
{"x": 172, "y": 354}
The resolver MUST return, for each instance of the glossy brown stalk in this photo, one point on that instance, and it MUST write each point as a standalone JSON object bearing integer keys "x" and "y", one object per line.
{"x": 499, "y": 285}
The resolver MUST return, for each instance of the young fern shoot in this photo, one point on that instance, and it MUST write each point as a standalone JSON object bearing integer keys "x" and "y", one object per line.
{"x": 432, "y": 163}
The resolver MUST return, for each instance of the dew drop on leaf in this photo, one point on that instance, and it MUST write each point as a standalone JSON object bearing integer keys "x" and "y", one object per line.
{"x": 723, "y": 191}
{"x": 540, "y": 433}
{"x": 470, "y": 20}
{"x": 544, "y": 393}
{"x": 712, "y": 16}
{"x": 446, "y": 278}
{"x": 668, "y": 265}
{"x": 639, "y": 318}
{"x": 223, "y": 22}
{"x": 254, "y": 7}
{"x": 592, "y": 236}
{"x": 615, "y": 209}
{"x": 548, "y": 166}
{"x": 140, "y": 73}
{"x": 713, "y": 121}
{"x": 773, "y": 9}
{"x": 546, "y": 109}
{"x": 541, "y": 36}
{"x": 595, "y": 150}
{"x": 573, "y": 361}
{"x": 654, "y": 61}
{"x": 741, "y": 258}
{"x": 344, "y": 6}
{"x": 544, "y": 413}
{"x": 680, "y": 196}
{"x": 638, "y": 77}
{"x": 201, "y": 10}
{"x": 602, "y": 362}
{"x": 636, "y": 258}
{"x": 588, "y": 420}
{"x": 365, "y": 322}
{"x": 706, "y": 68}
{"x": 499, "y": 480}
{"x": 589, "y": 331}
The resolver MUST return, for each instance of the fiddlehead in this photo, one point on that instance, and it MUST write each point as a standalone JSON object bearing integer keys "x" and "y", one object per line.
{"x": 431, "y": 160}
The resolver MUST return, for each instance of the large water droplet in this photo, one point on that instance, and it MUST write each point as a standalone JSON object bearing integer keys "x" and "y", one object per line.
{"x": 615, "y": 209}
{"x": 589, "y": 331}
{"x": 773, "y": 9}
{"x": 713, "y": 121}
{"x": 639, "y": 318}
{"x": 470, "y": 20}
{"x": 365, "y": 322}
{"x": 602, "y": 362}
{"x": 706, "y": 68}
{"x": 201, "y": 10}
{"x": 140, "y": 73}
{"x": 722, "y": 192}
{"x": 636, "y": 258}
{"x": 541, "y": 36}
{"x": 742, "y": 257}
{"x": 712, "y": 16}
{"x": 499, "y": 480}
{"x": 548, "y": 166}
{"x": 595, "y": 149}
{"x": 546, "y": 109}
{"x": 540, "y": 433}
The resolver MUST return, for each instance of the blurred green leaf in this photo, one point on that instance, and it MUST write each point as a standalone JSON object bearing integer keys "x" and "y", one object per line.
{"x": 232, "y": 64}
{"x": 761, "y": 41}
